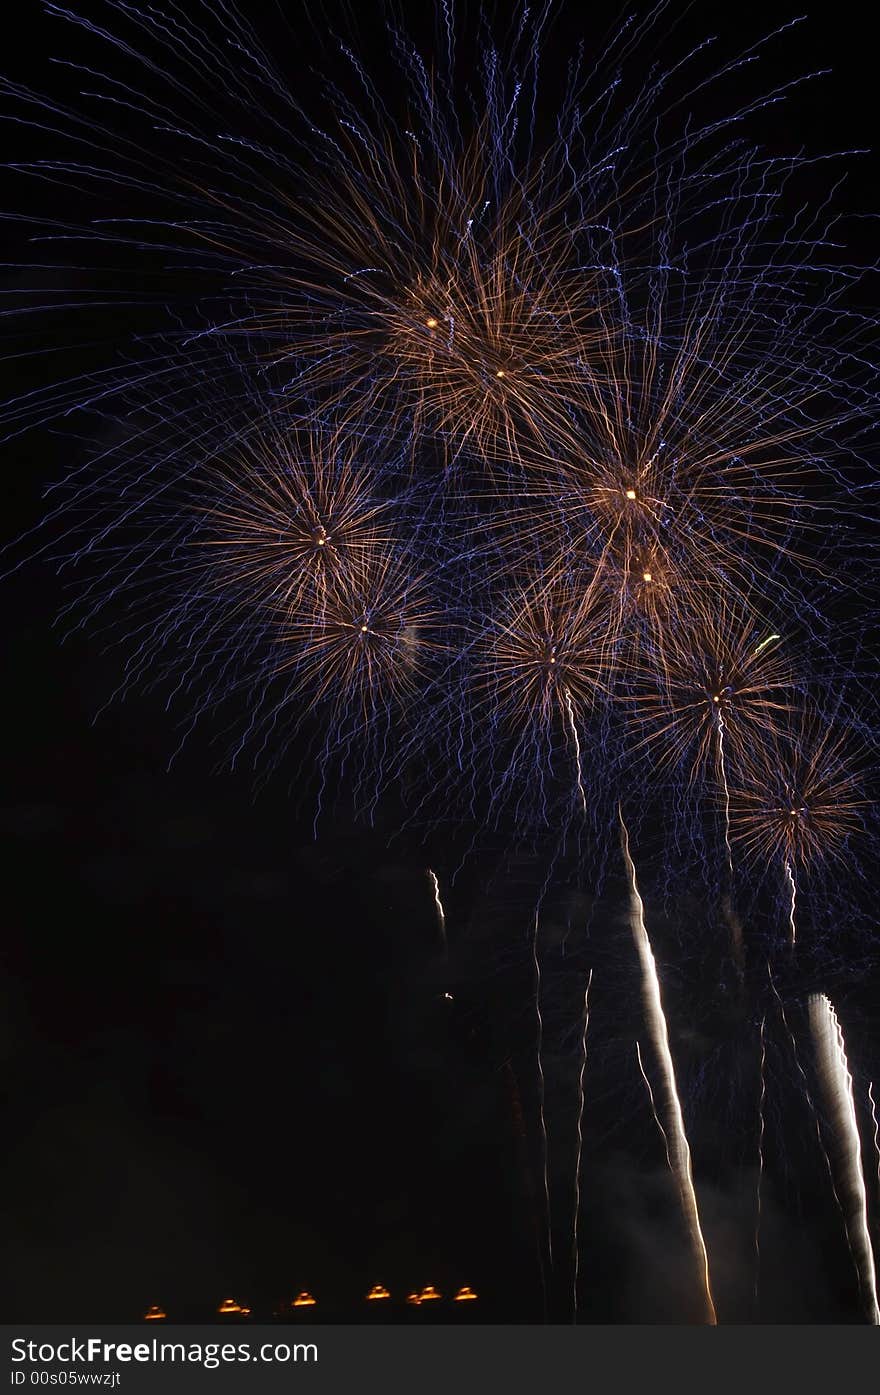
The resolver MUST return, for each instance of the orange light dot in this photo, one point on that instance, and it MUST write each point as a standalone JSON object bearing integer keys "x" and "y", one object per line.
{"x": 432, "y": 323}
{"x": 646, "y": 576}
{"x": 630, "y": 494}
{"x": 377, "y": 1292}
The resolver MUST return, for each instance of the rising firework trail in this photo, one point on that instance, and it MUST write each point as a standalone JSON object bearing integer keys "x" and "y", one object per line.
{"x": 811, "y": 1104}
{"x": 577, "y": 749}
{"x": 876, "y": 1129}
{"x": 579, "y": 1151}
{"x": 792, "y": 904}
{"x": 762, "y": 1096}
{"x": 728, "y": 907}
{"x": 539, "y": 1047}
{"x": 677, "y": 1150}
{"x": 836, "y": 1086}
{"x": 441, "y": 914}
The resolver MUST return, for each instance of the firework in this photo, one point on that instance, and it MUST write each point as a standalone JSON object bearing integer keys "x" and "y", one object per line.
{"x": 580, "y": 1143}
{"x": 797, "y": 801}
{"x": 690, "y": 458}
{"x": 724, "y": 678}
{"x": 545, "y": 1143}
{"x": 762, "y": 1097}
{"x": 876, "y": 1127}
{"x": 615, "y": 339}
{"x": 798, "y": 796}
{"x": 441, "y": 914}
{"x": 542, "y": 661}
{"x": 518, "y": 444}
{"x": 289, "y": 516}
{"x": 672, "y": 1127}
{"x": 835, "y": 1083}
{"x": 366, "y": 641}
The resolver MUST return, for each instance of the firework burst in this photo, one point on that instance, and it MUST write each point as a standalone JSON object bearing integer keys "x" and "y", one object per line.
{"x": 364, "y": 642}
{"x": 286, "y": 516}
{"x": 543, "y": 661}
{"x": 798, "y": 797}
{"x": 723, "y": 678}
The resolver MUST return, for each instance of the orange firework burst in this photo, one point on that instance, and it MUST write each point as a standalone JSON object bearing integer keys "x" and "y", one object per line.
{"x": 291, "y": 514}
{"x": 545, "y": 658}
{"x": 365, "y": 640}
{"x": 488, "y": 343}
{"x": 421, "y": 293}
{"x": 677, "y": 468}
{"x": 797, "y": 796}
{"x": 717, "y": 679}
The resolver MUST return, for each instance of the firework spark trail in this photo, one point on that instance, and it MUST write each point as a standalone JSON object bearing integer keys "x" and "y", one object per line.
{"x": 722, "y": 770}
{"x": 836, "y": 1086}
{"x": 677, "y": 1149}
{"x": 876, "y": 1142}
{"x": 793, "y": 885}
{"x": 874, "y": 1121}
{"x": 441, "y": 914}
{"x": 806, "y": 1085}
{"x": 762, "y": 1095}
{"x": 519, "y": 1126}
{"x": 577, "y": 748}
{"x": 729, "y": 911}
{"x": 657, "y": 1120}
{"x": 539, "y": 1045}
{"x": 580, "y": 1143}
{"x": 832, "y": 1105}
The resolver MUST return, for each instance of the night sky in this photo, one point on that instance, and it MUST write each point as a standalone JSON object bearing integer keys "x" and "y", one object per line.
{"x": 235, "y": 1057}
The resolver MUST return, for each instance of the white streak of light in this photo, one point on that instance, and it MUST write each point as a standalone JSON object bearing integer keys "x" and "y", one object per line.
{"x": 729, "y": 912}
{"x": 657, "y": 1119}
{"x": 806, "y": 1084}
{"x": 876, "y": 1138}
{"x": 837, "y": 1089}
{"x": 724, "y": 785}
{"x": 544, "y": 1139}
{"x": 577, "y": 749}
{"x": 441, "y": 915}
{"x": 580, "y": 1142}
{"x": 790, "y": 875}
{"x": 874, "y": 1120}
{"x": 762, "y": 1095}
{"x": 677, "y": 1148}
